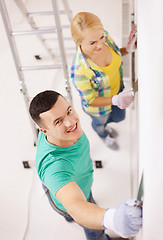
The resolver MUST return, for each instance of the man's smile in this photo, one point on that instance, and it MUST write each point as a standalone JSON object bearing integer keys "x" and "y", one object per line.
{"x": 72, "y": 129}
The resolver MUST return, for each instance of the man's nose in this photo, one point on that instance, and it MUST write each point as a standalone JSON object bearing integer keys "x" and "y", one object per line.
{"x": 68, "y": 121}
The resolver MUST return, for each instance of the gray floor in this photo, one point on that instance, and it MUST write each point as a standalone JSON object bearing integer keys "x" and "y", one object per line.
{"x": 24, "y": 208}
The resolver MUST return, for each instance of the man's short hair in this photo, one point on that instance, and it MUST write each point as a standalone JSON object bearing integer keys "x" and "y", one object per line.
{"x": 42, "y": 102}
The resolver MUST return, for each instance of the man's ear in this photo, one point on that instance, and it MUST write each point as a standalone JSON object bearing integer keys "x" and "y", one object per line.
{"x": 43, "y": 130}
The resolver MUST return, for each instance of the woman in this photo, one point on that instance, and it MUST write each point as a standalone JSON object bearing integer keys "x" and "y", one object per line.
{"x": 97, "y": 74}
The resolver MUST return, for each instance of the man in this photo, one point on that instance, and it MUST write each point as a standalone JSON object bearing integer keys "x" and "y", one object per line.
{"x": 65, "y": 168}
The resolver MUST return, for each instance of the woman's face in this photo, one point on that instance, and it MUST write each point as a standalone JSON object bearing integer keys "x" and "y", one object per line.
{"x": 93, "y": 41}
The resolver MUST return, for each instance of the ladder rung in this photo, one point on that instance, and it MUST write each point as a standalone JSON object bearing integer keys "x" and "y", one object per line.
{"x": 66, "y": 48}
{"x": 63, "y": 26}
{"x": 31, "y": 14}
{"x": 31, "y": 32}
{"x": 44, "y": 13}
{"x": 55, "y": 39}
{"x": 44, "y": 30}
{"x": 43, "y": 67}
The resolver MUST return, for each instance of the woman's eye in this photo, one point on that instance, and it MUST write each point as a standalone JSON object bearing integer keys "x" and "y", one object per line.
{"x": 69, "y": 111}
{"x": 102, "y": 37}
{"x": 92, "y": 43}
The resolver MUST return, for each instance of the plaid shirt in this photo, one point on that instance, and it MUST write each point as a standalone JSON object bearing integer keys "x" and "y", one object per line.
{"x": 91, "y": 82}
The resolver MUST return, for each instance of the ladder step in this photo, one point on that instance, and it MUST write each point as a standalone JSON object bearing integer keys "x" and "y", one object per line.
{"x": 62, "y": 27}
{"x": 31, "y": 32}
{"x": 44, "y": 30}
{"x": 66, "y": 48}
{"x": 43, "y": 67}
{"x": 47, "y": 13}
{"x": 55, "y": 39}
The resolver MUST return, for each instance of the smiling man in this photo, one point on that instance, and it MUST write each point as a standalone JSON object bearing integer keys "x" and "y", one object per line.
{"x": 65, "y": 168}
{"x": 61, "y": 124}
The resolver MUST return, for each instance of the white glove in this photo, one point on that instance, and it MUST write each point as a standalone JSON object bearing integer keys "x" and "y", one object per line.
{"x": 123, "y": 99}
{"x": 132, "y": 40}
{"x": 125, "y": 220}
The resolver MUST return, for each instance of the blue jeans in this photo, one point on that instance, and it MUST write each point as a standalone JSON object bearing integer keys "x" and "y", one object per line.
{"x": 99, "y": 123}
{"x": 116, "y": 115}
{"x": 91, "y": 234}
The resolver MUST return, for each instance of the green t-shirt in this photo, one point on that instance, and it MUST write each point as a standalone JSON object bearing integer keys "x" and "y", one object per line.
{"x": 57, "y": 166}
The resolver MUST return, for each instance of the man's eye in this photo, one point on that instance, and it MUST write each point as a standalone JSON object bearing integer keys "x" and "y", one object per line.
{"x": 58, "y": 122}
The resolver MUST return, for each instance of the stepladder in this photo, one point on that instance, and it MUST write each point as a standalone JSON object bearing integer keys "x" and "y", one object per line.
{"x": 40, "y": 43}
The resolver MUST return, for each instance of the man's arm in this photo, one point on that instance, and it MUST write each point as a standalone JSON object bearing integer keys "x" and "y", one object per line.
{"x": 125, "y": 220}
{"x": 85, "y": 213}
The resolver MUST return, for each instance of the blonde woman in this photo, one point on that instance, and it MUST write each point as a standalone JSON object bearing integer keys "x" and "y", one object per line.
{"x": 97, "y": 74}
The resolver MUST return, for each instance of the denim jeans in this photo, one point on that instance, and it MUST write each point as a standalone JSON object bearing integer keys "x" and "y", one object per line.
{"x": 91, "y": 234}
{"x": 99, "y": 123}
{"x": 116, "y": 115}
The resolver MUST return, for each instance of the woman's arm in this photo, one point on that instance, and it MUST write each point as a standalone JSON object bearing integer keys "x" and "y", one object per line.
{"x": 122, "y": 100}
{"x": 132, "y": 42}
{"x": 123, "y": 51}
{"x": 101, "y": 102}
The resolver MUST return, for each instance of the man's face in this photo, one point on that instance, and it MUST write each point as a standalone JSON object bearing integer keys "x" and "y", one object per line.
{"x": 62, "y": 124}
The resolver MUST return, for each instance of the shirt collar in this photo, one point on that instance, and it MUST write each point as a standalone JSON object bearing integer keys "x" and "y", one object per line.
{"x": 86, "y": 61}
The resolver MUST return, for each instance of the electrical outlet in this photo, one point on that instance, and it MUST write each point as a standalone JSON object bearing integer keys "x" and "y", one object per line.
{"x": 26, "y": 164}
{"x": 98, "y": 164}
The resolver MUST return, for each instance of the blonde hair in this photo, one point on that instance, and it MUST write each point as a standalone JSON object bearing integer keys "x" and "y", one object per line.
{"x": 81, "y": 22}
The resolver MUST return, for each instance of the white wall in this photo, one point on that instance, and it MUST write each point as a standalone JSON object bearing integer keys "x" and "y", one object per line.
{"x": 150, "y": 75}
{"x": 109, "y": 12}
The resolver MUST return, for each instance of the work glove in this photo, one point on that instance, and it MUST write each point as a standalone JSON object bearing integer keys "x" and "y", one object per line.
{"x": 125, "y": 220}
{"x": 123, "y": 99}
{"x": 132, "y": 40}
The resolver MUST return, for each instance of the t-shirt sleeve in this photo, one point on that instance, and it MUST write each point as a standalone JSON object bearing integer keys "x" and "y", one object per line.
{"x": 82, "y": 81}
{"x": 56, "y": 174}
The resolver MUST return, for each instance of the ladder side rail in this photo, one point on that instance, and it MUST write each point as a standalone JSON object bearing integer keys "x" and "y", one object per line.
{"x": 62, "y": 51}
{"x": 67, "y": 10}
{"x": 33, "y": 25}
{"x": 15, "y": 55}
{"x": 33, "y": 125}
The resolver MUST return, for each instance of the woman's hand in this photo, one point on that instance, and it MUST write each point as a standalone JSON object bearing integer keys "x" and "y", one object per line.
{"x": 123, "y": 99}
{"x": 132, "y": 40}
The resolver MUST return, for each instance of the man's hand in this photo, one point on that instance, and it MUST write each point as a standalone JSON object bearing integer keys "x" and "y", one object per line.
{"x": 125, "y": 220}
